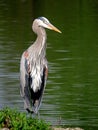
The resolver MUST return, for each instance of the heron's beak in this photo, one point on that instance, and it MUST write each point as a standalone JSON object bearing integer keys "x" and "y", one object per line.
{"x": 52, "y": 27}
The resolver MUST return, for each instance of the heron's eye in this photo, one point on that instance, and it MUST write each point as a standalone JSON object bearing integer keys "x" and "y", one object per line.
{"x": 45, "y": 22}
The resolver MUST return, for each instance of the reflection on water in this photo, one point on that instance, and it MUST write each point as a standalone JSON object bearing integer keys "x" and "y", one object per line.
{"x": 71, "y": 92}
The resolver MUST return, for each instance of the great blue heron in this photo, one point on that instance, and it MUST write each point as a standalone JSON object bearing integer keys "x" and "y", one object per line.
{"x": 34, "y": 67}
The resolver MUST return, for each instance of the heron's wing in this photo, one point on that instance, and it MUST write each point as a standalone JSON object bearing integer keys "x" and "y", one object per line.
{"x": 31, "y": 98}
{"x": 25, "y": 82}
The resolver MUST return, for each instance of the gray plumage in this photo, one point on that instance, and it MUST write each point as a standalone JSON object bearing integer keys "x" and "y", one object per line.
{"x": 34, "y": 67}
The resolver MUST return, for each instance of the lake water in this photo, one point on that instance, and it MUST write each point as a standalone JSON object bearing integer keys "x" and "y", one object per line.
{"x": 71, "y": 95}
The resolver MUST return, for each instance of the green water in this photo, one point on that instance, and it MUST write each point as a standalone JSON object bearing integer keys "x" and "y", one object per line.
{"x": 71, "y": 95}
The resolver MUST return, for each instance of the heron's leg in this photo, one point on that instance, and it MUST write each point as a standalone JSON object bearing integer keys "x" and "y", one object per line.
{"x": 29, "y": 114}
{"x": 38, "y": 114}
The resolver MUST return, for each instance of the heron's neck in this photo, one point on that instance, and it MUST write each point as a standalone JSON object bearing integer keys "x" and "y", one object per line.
{"x": 41, "y": 42}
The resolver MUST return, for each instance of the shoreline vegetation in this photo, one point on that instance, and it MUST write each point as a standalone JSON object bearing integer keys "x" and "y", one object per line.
{"x": 11, "y": 119}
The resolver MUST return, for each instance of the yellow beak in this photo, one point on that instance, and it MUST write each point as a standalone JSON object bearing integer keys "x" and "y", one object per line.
{"x": 52, "y": 27}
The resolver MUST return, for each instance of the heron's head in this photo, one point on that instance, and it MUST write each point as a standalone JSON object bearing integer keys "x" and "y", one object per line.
{"x": 44, "y": 23}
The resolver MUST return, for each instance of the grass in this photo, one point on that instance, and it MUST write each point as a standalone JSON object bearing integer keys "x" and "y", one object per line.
{"x": 15, "y": 120}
